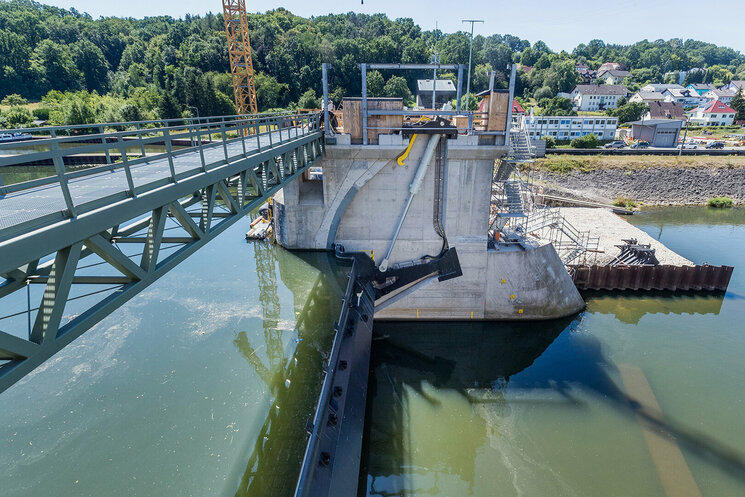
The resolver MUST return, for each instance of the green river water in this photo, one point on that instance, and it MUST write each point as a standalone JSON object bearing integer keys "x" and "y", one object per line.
{"x": 202, "y": 386}
{"x": 553, "y": 409}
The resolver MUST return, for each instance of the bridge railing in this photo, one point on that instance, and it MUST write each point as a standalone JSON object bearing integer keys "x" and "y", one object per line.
{"x": 86, "y": 150}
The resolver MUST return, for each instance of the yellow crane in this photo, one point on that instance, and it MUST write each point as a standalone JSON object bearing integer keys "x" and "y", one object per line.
{"x": 239, "y": 48}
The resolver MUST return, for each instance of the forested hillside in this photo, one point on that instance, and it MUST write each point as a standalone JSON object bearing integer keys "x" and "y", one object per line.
{"x": 113, "y": 68}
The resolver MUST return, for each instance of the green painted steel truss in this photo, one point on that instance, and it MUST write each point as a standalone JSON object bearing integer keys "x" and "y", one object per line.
{"x": 198, "y": 207}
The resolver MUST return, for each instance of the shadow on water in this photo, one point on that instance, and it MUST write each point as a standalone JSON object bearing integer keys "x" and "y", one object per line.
{"x": 481, "y": 362}
{"x": 294, "y": 381}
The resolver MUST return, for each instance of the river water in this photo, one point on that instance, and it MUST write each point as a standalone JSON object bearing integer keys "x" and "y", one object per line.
{"x": 640, "y": 395}
{"x": 202, "y": 386}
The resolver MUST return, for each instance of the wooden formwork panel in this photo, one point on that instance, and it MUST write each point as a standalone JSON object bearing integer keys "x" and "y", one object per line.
{"x": 353, "y": 118}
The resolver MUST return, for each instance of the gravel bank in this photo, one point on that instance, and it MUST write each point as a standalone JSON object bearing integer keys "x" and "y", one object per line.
{"x": 611, "y": 229}
{"x": 651, "y": 185}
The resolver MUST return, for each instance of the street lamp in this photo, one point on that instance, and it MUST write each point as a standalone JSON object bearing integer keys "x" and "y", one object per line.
{"x": 470, "y": 52}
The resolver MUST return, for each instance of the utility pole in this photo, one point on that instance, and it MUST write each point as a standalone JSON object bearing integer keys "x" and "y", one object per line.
{"x": 470, "y": 53}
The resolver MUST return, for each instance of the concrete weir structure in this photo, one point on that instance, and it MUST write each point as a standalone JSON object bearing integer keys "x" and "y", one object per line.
{"x": 358, "y": 202}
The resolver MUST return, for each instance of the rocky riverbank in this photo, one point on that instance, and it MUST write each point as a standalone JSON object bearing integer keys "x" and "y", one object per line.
{"x": 650, "y": 180}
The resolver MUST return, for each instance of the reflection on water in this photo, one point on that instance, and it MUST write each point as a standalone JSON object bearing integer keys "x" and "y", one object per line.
{"x": 201, "y": 385}
{"x": 630, "y": 307}
{"x": 634, "y": 394}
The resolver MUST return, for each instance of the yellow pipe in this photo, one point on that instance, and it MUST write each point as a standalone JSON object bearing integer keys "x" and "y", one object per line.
{"x": 403, "y": 156}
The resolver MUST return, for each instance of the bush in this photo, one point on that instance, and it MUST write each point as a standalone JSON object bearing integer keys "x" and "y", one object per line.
{"x": 17, "y": 117}
{"x": 587, "y": 141}
{"x": 13, "y": 100}
{"x": 625, "y": 202}
{"x": 720, "y": 202}
{"x": 550, "y": 141}
{"x": 309, "y": 100}
{"x": 42, "y": 113}
{"x": 543, "y": 92}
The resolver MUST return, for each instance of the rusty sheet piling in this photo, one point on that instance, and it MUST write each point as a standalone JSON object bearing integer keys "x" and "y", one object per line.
{"x": 665, "y": 277}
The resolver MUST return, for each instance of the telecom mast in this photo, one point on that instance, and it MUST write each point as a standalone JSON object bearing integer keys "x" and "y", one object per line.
{"x": 239, "y": 48}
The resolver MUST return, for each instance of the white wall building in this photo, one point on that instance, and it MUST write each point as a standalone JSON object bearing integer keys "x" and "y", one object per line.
{"x": 660, "y": 87}
{"x": 597, "y": 97}
{"x": 734, "y": 85}
{"x": 568, "y": 127}
{"x": 713, "y": 114}
{"x": 647, "y": 97}
{"x": 686, "y": 97}
{"x": 724, "y": 96}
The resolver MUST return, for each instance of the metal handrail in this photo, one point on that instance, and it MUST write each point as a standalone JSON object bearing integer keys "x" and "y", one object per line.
{"x": 245, "y": 127}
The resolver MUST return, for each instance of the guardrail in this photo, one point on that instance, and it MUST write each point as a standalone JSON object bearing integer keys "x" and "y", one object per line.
{"x": 130, "y": 141}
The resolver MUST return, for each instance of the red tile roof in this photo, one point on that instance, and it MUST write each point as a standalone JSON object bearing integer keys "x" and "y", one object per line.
{"x": 517, "y": 108}
{"x": 717, "y": 107}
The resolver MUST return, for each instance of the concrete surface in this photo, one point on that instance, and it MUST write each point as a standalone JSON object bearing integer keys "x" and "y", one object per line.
{"x": 364, "y": 191}
{"x": 611, "y": 229}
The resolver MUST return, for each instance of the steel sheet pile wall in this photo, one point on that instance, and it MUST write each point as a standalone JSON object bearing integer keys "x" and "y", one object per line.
{"x": 706, "y": 278}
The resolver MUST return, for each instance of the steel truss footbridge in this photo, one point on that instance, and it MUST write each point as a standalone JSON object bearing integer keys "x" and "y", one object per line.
{"x": 158, "y": 192}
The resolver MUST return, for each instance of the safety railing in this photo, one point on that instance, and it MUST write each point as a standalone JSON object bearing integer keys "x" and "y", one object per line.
{"x": 210, "y": 141}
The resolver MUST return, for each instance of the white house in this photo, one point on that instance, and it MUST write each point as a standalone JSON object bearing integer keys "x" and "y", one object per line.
{"x": 647, "y": 97}
{"x": 686, "y": 97}
{"x": 612, "y": 76}
{"x": 597, "y": 97}
{"x": 715, "y": 113}
{"x": 724, "y": 96}
{"x": 568, "y": 127}
{"x": 660, "y": 87}
{"x": 735, "y": 85}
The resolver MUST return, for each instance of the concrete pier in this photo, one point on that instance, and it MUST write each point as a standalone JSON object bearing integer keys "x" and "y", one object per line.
{"x": 358, "y": 204}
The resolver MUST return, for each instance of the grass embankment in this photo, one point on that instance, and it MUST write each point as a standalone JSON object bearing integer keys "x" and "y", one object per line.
{"x": 564, "y": 164}
{"x": 720, "y": 202}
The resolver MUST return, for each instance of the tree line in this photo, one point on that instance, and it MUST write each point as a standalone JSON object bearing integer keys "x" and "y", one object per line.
{"x": 85, "y": 69}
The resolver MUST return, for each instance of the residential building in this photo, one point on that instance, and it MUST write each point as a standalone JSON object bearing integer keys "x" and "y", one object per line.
{"x": 612, "y": 76}
{"x": 687, "y": 97}
{"x": 660, "y": 87}
{"x": 579, "y": 67}
{"x": 701, "y": 88}
{"x": 657, "y": 132}
{"x": 735, "y": 84}
{"x": 724, "y": 96}
{"x": 597, "y": 97}
{"x": 569, "y": 127}
{"x": 665, "y": 110}
{"x": 445, "y": 92}
{"x": 611, "y": 66}
{"x": 715, "y": 113}
{"x": 646, "y": 97}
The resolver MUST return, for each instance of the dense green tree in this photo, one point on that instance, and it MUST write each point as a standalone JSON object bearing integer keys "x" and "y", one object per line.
{"x": 556, "y": 106}
{"x": 17, "y": 117}
{"x": 632, "y": 111}
{"x": 309, "y": 100}
{"x": 45, "y": 48}
{"x": 738, "y": 103}
{"x": 375, "y": 83}
{"x": 397, "y": 87}
{"x": 587, "y": 141}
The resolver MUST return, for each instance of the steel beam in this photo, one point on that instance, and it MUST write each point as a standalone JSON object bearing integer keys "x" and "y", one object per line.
{"x": 98, "y": 232}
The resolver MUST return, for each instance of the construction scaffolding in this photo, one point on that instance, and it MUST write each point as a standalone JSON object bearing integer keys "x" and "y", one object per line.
{"x": 517, "y": 218}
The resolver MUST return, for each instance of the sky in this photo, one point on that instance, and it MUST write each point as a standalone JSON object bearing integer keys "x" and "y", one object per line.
{"x": 561, "y": 25}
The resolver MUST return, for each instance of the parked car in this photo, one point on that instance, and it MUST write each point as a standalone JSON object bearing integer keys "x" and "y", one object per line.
{"x": 689, "y": 146}
{"x": 715, "y": 145}
{"x": 640, "y": 144}
{"x": 615, "y": 144}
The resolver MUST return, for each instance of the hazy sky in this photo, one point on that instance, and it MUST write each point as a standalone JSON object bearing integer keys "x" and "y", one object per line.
{"x": 561, "y": 24}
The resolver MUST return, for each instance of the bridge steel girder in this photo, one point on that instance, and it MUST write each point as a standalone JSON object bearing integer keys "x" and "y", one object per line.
{"x": 99, "y": 232}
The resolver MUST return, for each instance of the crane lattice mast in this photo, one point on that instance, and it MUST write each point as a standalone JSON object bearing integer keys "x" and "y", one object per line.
{"x": 239, "y": 48}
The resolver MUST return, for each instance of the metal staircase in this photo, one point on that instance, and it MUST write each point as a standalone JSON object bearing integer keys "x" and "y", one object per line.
{"x": 515, "y": 217}
{"x": 569, "y": 242}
